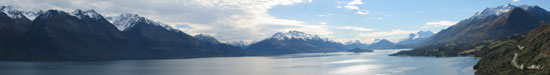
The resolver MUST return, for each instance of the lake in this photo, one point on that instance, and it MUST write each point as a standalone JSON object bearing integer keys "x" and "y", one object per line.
{"x": 334, "y": 63}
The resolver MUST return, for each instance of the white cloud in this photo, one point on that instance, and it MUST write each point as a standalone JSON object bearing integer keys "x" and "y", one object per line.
{"x": 355, "y": 2}
{"x": 354, "y": 28}
{"x": 362, "y": 12}
{"x": 383, "y": 34}
{"x": 515, "y": 0}
{"x": 353, "y": 6}
{"x": 323, "y": 23}
{"x": 438, "y": 24}
{"x": 322, "y": 15}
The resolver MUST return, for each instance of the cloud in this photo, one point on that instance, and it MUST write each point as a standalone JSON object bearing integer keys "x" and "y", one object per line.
{"x": 323, "y": 23}
{"x": 383, "y": 34}
{"x": 355, "y": 2}
{"x": 379, "y": 18}
{"x": 322, "y": 15}
{"x": 353, "y": 6}
{"x": 439, "y": 24}
{"x": 354, "y": 28}
{"x": 515, "y": 0}
{"x": 229, "y": 20}
{"x": 362, "y": 12}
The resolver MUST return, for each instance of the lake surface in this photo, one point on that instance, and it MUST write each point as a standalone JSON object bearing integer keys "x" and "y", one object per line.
{"x": 336, "y": 63}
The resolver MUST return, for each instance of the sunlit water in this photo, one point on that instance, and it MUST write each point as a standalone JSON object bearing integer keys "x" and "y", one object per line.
{"x": 337, "y": 63}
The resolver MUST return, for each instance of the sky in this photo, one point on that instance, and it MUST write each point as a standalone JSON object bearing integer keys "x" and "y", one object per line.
{"x": 254, "y": 20}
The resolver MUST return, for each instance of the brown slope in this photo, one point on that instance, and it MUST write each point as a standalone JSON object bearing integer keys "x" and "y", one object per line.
{"x": 531, "y": 51}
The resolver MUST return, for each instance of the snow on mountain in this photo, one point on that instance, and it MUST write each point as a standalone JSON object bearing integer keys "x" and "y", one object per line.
{"x": 17, "y": 14}
{"x": 241, "y": 44}
{"x": 498, "y": 10}
{"x": 11, "y": 12}
{"x": 124, "y": 21}
{"x": 416, "y": 37}
{"x": 297, "y": 35}
{"x": 30, "y": 15}
{"x": 88, "y": 13}
{"x": 206, "y": 38}
{"x": 421, "y": 34}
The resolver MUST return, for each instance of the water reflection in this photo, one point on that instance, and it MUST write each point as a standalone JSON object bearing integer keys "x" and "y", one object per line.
{"x": 358, "y": 70}
{"x": 339, "y": 63}
{"x": 350, "y": 61}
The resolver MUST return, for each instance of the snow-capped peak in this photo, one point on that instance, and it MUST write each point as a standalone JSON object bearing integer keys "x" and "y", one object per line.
{"x": 241, "y": 44}
{"x": 296, "y": 35}
{"x": 203, "y": 36}
{"x": 124, "y": 21}
{"x": 421, "y": 34}
{"x": 418, "y": 35}
{"x": 498, "y": 10}
{"x": 88, "y": 13}
{"x": 17, "y": 14}
{"x": 206, "y": 38}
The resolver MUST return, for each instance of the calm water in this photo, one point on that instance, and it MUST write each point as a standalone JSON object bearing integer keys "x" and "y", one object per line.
{"x": 338, "y": 63}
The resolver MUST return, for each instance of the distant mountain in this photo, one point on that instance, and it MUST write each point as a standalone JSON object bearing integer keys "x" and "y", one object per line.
{"x": 296, "y": 35}
{"x": 382, "y": 44}
{"x": 87, "y": 36}
{"x": 356, "y": 44}
{"x": 469, "y": 36}
{"x": 241, "y": 44}
{"x": 293, "y": 42}
{"x": 415, "y": 38}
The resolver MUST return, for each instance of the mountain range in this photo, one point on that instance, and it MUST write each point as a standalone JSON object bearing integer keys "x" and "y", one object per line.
{"x": 464, "y": 37}
{"x": 514, "y": 43}
{"x": 293, "y": 42}
{"x": 87, "y": 36}
{"x": 481, "y": 19}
